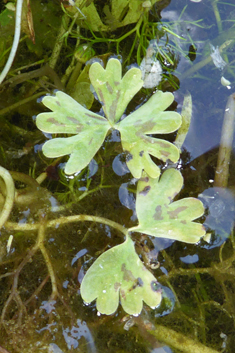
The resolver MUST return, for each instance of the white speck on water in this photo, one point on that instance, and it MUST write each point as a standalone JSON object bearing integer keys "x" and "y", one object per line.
{"x": 225, "y": 82}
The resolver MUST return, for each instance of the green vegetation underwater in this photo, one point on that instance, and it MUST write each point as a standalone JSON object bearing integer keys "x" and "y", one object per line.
{"x": 117, "y": 197}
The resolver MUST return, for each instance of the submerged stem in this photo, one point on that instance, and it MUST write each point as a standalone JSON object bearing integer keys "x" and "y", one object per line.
{"x": 179, "y": 341}
{"x": 10, "y": 195}
{"x": 82, "y": 218}
{"x": 40, "y": 245}
{"x": 64, "y": 220}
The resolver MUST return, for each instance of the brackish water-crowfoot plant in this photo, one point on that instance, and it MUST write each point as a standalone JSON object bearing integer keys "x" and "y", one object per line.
{"x": 119, "y": 272}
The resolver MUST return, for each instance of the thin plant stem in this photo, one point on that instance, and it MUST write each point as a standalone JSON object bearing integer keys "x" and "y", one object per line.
{"x": 80, "y": 197}
{"x": 37, "y": 291}
{"x": 59, "y": 42}
{"x": 10, "y": 195}
{"x": 217, "y": 15}
{"x": 22, "y": 102}
{"x": 40, "y": 245}
{"x": 65, "y": 220}
{"x": 222, "y": 169}
{"x": 15, "y": 41}
{"x": 45, "y": 70}
{"x": 179, "y": 341}
{"x": 81, "y": 218}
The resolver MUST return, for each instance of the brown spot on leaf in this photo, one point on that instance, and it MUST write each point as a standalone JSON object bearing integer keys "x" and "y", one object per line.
{"x": 100, "y": 93}
{"x": 165, "y": 153}
{"x": 58, "y": 103}
{"x": 144, "y": 127}
{"x": 158, "y": 213}
{"x": 90, "y": 142}
{"x": 184, "y": 222}
{"x": 54, "y": 121}
{"x": 138, "y": 283}
{"x": 72, "y": 119}
{"x": 123, "y": 294}
{"x": 109, "y": 87}
{"x": 174, "y": 214}
{"x": 117, "y": 285}
{"x": 128, "y": 275}
{"x": 145, "y": 190}
{"x": 146, "y": 179}
{"x": 116, "y": 83}
{"x": 138, "y": 122}
{"x": 94, "y": 117}
{"x": 163, "y": 144}
{"x": 113, "y": 107}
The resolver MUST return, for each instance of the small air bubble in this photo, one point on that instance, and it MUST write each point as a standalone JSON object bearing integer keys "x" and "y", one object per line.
{"x": 104, "y": 291}
{"x": 98, "y": 313}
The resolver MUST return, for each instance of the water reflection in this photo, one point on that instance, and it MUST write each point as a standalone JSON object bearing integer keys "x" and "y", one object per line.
{"x": 220, "y": 206}
{"x": 73, "y": 335}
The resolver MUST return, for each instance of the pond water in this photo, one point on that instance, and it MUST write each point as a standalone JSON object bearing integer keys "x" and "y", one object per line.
{"x": 42, "y": 267}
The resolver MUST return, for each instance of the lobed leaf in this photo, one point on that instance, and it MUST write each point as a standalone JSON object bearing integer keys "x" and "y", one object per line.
{"x": 113, "y": 91}
{"x": 150, "y": 118}
{"x": 68, "y": 116}
{"x": 160, "y": 217}
{"x": 119, "y": 274}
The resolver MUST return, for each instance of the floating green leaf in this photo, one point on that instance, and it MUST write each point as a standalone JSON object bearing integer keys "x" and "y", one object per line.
{"x": 160, "y": 217}
{"x": 115, "y": 92}
{"x": 119, "y": 273}
{"x": 149, "y": 119}
{"x": 70, "y": 117}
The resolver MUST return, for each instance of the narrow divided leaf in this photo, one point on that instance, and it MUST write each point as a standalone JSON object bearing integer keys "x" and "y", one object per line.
{"x": 113, "y": 91}
{"x": 160, "y": 217}
{"x": 119, "y": 274}
{"x": 149, "y": 119}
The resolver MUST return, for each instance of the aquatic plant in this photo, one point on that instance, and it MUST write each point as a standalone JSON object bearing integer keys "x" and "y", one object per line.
{"x": 114, "y": 93}
{"x": 40, "y": 273}
{"x": 119, "y": 270}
